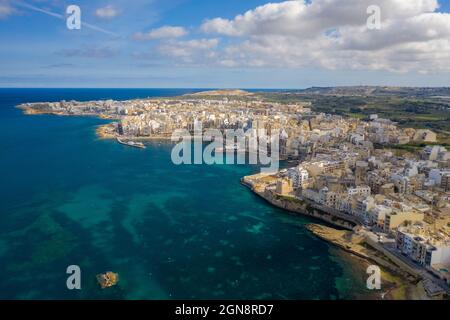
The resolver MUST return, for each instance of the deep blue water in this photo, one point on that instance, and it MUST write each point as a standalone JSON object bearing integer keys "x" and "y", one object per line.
{"x": 171, "y": 232}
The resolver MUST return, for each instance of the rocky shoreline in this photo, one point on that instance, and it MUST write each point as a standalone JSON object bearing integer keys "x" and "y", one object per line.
{"x": 398, "y": 283}
{"x": 297, "y": 206}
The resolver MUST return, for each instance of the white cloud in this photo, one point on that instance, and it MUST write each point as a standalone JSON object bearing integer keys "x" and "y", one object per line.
{"x": 333, "y": 34}
{"x": 5, "y": 9}
{"x": 107, "y": 12}
{"x": 190, "y": 51}
{"x": 302, "y": 19}
{"x": 165, "y": 32}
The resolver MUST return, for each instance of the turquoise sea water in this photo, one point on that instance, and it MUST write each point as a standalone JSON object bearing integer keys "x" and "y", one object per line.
{"x": 171, "y": 232}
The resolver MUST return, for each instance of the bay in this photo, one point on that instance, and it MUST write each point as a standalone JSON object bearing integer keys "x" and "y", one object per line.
{"x": 171, "y": 232}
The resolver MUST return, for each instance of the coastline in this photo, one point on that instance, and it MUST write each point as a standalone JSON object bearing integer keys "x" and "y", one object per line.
{"x": 106, "y": 132}
{"x": 396, "y": 283}
{"x": 393, "y": 286}
{"x": 293, "y": 205}
{"x": 399, "y": 284}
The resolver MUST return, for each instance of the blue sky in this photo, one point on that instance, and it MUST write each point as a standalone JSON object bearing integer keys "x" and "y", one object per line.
{"x": 182, "y": 43}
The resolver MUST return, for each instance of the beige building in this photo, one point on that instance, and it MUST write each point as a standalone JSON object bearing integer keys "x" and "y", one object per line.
{"x": 425, "y": 135}
{"x": 387, "y": 189}
{"x": 284, "y": 187}
{"x": 396, "y": 218}
{"x": 445, "y": 182}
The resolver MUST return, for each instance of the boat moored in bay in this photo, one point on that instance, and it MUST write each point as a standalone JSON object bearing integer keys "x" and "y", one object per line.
{"x": 131, "y": 143}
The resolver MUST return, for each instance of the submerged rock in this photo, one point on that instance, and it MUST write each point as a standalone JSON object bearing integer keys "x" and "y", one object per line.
{"x": 108, "y": 279}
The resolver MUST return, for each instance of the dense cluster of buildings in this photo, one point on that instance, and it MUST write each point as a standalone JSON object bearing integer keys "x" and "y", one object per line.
{"x": 162, "y": 117}
{"x": 404, "y": 196}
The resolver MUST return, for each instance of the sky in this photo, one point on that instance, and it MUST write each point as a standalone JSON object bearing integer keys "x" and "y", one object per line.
{"x": 224, "y": 44}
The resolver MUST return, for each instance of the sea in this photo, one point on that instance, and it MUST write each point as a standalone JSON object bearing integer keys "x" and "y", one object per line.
{"x": 170, "y": 232}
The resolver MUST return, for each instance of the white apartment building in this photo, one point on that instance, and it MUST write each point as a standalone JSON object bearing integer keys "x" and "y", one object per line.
{"x": 359, "y": 191}
{"x": 377, "y": 214}
{"x": 421, "y": 247}
{"x": 362, "y": 206}
{"x": 298, "y": 175}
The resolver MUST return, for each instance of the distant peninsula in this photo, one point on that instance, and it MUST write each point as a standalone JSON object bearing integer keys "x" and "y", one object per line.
{"x": 227, "y": 92}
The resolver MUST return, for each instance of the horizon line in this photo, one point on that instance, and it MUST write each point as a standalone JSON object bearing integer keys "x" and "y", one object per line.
{"x": 233, "y": 88}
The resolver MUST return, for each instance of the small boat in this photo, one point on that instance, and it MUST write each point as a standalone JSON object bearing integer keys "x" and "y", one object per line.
{"x": 131, "y": 143}
{"x": 108, "y": 279}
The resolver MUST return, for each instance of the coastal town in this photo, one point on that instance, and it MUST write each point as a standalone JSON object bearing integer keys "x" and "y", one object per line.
{"x": 346, "y": 171}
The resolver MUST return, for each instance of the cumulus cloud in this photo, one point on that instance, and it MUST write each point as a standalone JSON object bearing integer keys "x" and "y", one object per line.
{"x": 107, "y": 12}
{"x": 333, "y": 34}
{"x": 165, "y": 32}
